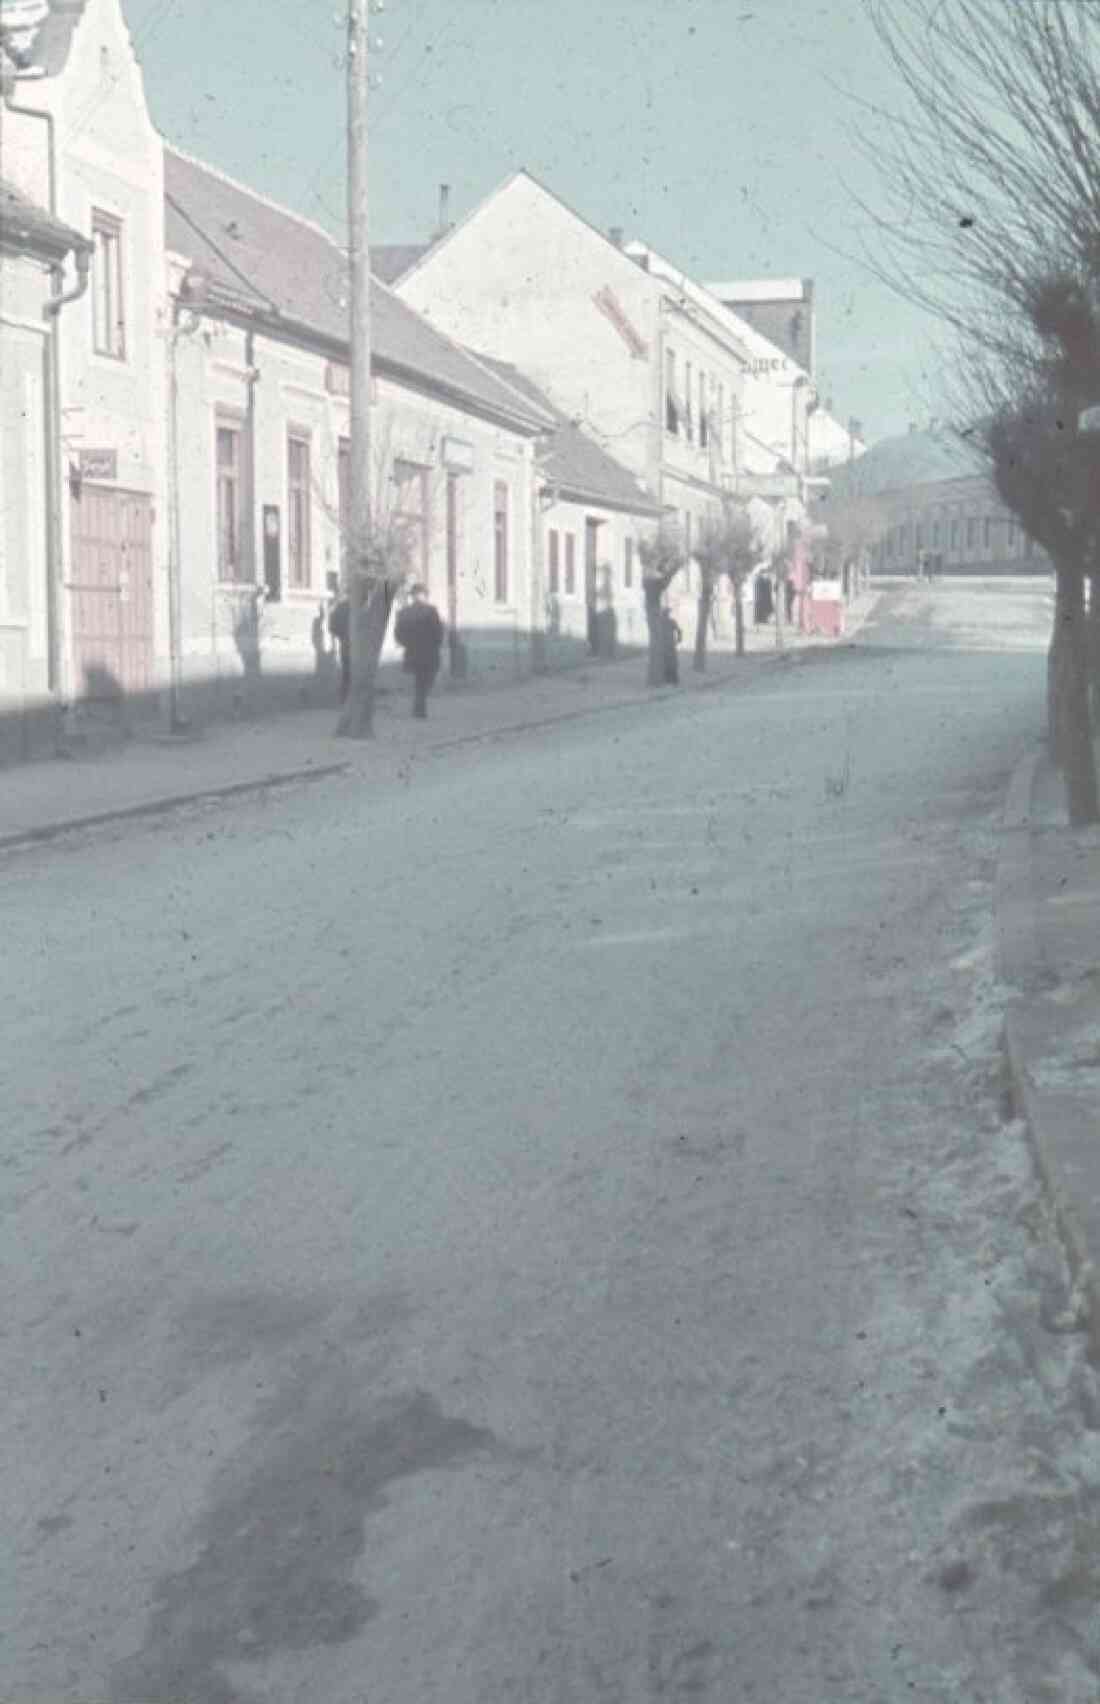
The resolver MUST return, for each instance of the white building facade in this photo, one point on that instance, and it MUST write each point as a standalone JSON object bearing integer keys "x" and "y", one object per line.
{"x": 695, "y": 402}
{"x": 261, "y": 436}
{"x": 37, "y": 255}
{"x": 78, "y": 139}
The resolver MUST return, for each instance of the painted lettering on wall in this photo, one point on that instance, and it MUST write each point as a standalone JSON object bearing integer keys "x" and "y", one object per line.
{"x": 608, "y": 305}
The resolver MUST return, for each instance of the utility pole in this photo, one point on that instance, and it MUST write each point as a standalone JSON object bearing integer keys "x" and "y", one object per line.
{"x": 358, "y": 707}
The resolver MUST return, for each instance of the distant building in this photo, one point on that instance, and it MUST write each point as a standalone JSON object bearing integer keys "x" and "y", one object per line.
{"x": 781, "y": 309}
{"x": 928, "y": 491}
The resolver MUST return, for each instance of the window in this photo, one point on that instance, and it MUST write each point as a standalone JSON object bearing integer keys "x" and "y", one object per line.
{"x": 227, "y": 458}
{"x": 936, "y": 529}
{"x": 719, "y": 422}
{"x": 628, "y": 563}
{"x": 1011, "y": 538}
{"x": 672, "y": 410}
{"x": 687, "y": 550}
{"x": 689, "y": 424}
{"x": 410, "y": 514}
{"x": 500, "y": 542}
{"x": 987, "y": 529}
{"x": 570, "y": 564}
{"x": 108, "y": 322}
{"x": 704, "y": 423}
{"x": 955, "y": 535}
{"x": 299, "y": 511}
{"x": 920, "y": 535}
{"x": 971, "y": 532}
{"x": 553, "y": 566}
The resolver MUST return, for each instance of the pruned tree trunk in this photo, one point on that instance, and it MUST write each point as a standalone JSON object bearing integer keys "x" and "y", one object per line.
{"x": 655, "y": 673}
{"x": 357, "y": 720}
{"x": 702, "y": 620}
{"x": 739, "y": 614}
{"x": 1093, "y": 630}
{"x": 1068, "y": 679}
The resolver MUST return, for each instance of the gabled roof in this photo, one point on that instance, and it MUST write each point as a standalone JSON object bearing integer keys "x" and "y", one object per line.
{"x": 26, "y": 228}
{"x": 263, "y": 261}
{"x": 389, "y": 261}
{"x": 573, "y": 464}
{"x": 521, "y": 175}
{"x": 38, "y": 33}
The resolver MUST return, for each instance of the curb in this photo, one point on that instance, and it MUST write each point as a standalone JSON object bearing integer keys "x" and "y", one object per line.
{"x": 169, "y": 802}
{"x": 1020, "y": 964}
{"x": 315, "y": 772}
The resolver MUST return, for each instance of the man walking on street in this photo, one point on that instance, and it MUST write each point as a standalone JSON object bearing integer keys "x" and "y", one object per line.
{"x": 419, "y": 632}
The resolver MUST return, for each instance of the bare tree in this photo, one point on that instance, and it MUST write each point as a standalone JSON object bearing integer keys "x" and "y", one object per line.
{"x": 726, "y": 546}
{"x": 662, "y": 556}
{"x": 388, "y": 563}
{"x": 991, "y": 177}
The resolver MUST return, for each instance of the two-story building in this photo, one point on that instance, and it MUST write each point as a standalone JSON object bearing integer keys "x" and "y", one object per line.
{"x": 648, "y": 371}
{"x": 696, "y": 403}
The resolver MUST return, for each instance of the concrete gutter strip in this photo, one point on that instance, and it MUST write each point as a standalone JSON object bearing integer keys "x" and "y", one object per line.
{"x": 168, "y": 802}
{"x": 1051, "y": 1131}
{"x": 1060, "y": 1115}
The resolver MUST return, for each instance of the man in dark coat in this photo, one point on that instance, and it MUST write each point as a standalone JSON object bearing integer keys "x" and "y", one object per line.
{"x": 419, "y": 631}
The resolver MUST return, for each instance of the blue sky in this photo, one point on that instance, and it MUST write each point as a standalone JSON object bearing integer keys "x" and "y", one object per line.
{"x": 720, "y": 131}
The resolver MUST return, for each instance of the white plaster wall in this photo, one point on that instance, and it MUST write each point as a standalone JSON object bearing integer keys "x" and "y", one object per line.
{"x": 23, "y": 634}
{"x": 291, "y": 390}
{"x": 518, "y": 280}
{"x": 566, "y": 615}
{"x": 110, "y": 159}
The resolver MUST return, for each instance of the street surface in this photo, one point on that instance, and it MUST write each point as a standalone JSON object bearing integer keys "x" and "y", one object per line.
{"x": 548, "y": 1228}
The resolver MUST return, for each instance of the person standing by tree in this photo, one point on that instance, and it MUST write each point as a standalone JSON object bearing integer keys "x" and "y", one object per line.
{"x": 339, "y": 626}
{"x": 671, "y": 636}
{"x": 419, "y": 631}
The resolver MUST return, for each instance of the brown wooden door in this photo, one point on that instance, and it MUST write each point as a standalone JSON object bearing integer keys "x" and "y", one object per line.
{"x": 111, "y": 592}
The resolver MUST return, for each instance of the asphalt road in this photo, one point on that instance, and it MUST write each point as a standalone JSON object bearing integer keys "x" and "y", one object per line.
{"x": 548, "y": 1228}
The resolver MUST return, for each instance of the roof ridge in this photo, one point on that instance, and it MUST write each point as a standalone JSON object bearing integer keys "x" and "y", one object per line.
{"x": 257, "y": 195}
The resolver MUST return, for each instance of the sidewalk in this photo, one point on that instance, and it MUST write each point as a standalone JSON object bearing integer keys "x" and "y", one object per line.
{"x": 1048, "y": 941}
{"x": 154, "y": 773}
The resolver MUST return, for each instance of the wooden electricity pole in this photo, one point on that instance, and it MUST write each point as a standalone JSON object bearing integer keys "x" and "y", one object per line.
{"x": 358, "y": 707}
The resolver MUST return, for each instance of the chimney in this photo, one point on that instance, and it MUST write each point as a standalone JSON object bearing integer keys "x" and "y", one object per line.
{"x": 444, "y": 208}
{"x": 616, "y": 235}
